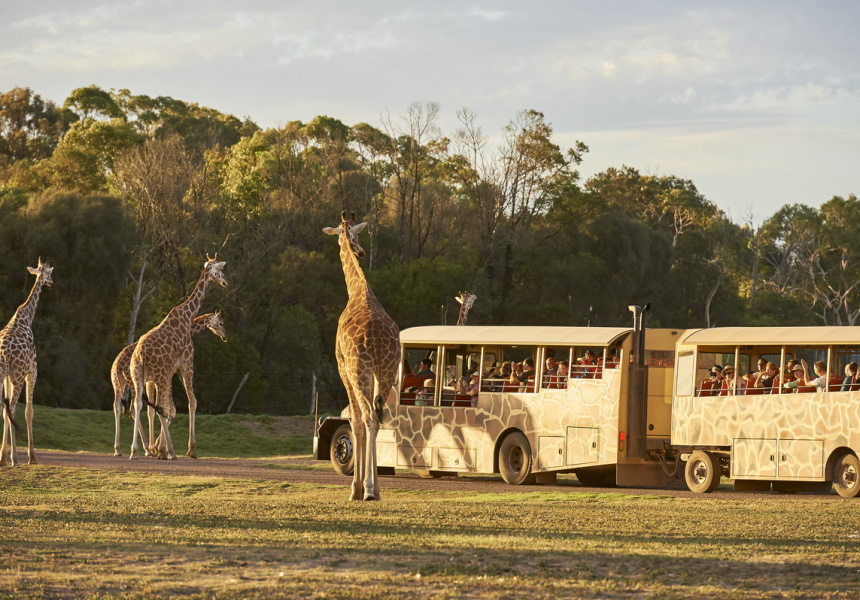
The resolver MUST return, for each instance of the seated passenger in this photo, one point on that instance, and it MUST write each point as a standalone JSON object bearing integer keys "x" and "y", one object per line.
{"x": 562, "y": 375}
{"x": 474, "y": 387}
{"x": 551, "y": 371}
{"x": 850, "y": 383}
{"x": 586, "y": 368}
{"x": 732, "y": 386}
{"x": 798, "y": 382}
{"x": 426, "y": 370}
{"x": 768, "y": 380}
{"x": 713, "y": 385}
{"x": 526, "y": 376}
{"x": 822, "y": 379}
{"x": 425, "y": 396}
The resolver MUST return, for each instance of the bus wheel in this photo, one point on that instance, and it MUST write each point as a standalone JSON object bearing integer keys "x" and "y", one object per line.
{"x": 845, "y": 476}
{"x": 342, "y": 456}
{"x": 515, "y": 459}
{"x": 703, "y": 472}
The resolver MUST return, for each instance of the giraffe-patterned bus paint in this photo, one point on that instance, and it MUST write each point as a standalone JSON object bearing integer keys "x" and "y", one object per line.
{"x": 780, "y": 436}
{"x": 567, "y": 429}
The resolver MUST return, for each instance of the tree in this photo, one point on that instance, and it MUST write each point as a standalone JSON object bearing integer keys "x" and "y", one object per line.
{"x": 92, "y": 102}
{"x": 30, "y": 128}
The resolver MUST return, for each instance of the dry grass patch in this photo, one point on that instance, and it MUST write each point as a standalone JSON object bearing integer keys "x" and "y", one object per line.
{"x": 76, "y": 533}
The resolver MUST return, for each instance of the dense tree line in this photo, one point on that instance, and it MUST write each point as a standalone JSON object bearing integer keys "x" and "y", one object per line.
{"x": 126, "y": 193}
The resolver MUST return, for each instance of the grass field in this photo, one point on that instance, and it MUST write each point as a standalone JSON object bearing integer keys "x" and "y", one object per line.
{"x": 222, "y": 436}
{"x": 67, "y": 532}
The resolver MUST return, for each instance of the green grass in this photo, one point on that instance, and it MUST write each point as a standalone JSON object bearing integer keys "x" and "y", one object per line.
{"x": 68, "y": 532}
{"x": 222, "y": 436}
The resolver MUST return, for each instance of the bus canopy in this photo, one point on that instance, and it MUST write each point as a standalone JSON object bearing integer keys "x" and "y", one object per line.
{"x": 772, "y": 336}
{"x": 514, "y": 336}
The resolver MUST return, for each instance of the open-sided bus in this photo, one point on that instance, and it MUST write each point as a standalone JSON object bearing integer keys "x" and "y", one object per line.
{"x": 528, "y": 432}
{"x": 791, "y": 437}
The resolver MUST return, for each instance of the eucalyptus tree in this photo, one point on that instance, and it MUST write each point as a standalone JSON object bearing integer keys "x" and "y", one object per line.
{"x": 30, "y": 127}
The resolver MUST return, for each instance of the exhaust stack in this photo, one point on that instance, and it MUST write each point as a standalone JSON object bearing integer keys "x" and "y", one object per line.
{"x": 637, "y": 389}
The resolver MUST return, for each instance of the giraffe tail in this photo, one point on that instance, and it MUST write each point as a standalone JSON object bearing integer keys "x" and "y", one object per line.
{"x": 7, "y": 414}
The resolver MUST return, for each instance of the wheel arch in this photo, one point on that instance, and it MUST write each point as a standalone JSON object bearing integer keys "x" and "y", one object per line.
{"x": 499, "y": 441}
{"x": 326, "y": 429}
{"x": 835, "y": 455}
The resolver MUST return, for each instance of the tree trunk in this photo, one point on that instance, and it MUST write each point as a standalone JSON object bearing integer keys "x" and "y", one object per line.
{"x": 137, "y": 301}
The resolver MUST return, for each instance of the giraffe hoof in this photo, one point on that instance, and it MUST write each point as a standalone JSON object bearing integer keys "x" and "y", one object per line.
{"x": 370, "y": 497}
{"x": 117, "y": 453}
{"x": 133, "y": 455}
{"x": 192, "y": 454}
{"x": 33, "y": 461}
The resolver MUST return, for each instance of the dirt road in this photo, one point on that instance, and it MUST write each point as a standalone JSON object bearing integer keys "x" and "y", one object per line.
{"x": 305, "y": 470}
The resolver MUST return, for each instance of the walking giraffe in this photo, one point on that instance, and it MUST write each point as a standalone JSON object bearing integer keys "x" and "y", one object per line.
{"x": 18, "y": 361}
{"x": 160, "y": 353}
{"x": 466, "y": 300}
{"x": 120, "y": 377}
{"x": 368, "y": 357}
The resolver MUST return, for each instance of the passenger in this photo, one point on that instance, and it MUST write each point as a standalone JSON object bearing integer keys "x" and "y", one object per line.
{"x": 586, "y": 361}
{"x": 762, "y": 365}
{"x": 474, "y": 388}
{"x": 526, "y": 375}
{"x": 850, "y": 382}
{"x": 562, "y": 375}
{"x": 551, "y": 372}
{"x": 426, "y": 370}
{"x": 425, "y": 396}
{"x": 768, "y": 381}
{"x": 712, "y": 386}
{"x": 730, "y": 387}
{"x": 823, "y": 378}
{"x": 798, "y": 380}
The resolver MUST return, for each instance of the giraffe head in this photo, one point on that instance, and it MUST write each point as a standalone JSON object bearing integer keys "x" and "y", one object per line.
{"x": 43, "y": 272}
{"x": 348, "y": 233}
{"x": 214, "y": 269}
{"x": 216, "y": 325}
{"x": 466, "y": 299}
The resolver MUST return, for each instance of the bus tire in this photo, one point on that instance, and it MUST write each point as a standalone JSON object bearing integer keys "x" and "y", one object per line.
{"x": 846, "y": 476}
{"x": 703, "y": 472}
{"x": 515, "y": 459}
{"x": 341, "y": 451}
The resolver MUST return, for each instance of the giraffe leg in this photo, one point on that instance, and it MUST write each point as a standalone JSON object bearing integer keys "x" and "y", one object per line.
{"x": 15, "y": 391}
{"x": 117, "y": 411}
{"x": 7, "y": 422}
{"x": 28, "y": 412}
{"x": 165, "y": 402}
{"x": 151, "y": 392}
{"x": 137, "y": 378}
{"x": 187, "y": 373}
{"x": 359, "y": 448}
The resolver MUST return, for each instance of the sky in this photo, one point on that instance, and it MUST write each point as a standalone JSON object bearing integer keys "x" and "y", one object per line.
{"x": 758, "y": 103}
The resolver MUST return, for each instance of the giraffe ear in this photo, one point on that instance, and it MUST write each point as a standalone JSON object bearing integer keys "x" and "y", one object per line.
{"x": 331, "y": 230}
{"x": 33, "y": 271}
{"x": 359, "y": 228}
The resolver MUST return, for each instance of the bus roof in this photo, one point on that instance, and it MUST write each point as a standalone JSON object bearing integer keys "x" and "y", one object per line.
{"x": 479, "y": 335}
{"x": 772, "y": 336}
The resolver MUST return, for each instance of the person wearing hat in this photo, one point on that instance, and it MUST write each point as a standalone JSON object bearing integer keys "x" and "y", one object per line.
{"x": 799, "y": 380}
{"x": 733, "y": 387}
{"x": 713, "y": 385}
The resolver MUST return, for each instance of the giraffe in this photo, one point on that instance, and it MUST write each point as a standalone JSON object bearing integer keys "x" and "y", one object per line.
{"x": 466, "y": 300}
{"x": 160, "y": 353}
{"x": 18, "y": 360}
{"x": 120, "y": 377}
{"x": 367, "y": 349}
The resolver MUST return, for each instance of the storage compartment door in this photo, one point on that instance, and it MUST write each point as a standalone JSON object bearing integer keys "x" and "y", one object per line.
{"x": 582, "y": 446}
{"x": 754, "y": 458}
{"x": 801, "y": 459}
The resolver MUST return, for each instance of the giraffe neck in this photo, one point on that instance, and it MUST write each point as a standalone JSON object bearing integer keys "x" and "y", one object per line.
{"x": 200, "y": 324}
{"x": 189, "y": 309}
{"x": 25, "y": 313}
{"x": 356, "y": 284}
{"x": 464, "y": 310}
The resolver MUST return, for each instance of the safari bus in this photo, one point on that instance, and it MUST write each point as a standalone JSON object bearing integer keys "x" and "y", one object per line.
{"x": 618, "y": 406}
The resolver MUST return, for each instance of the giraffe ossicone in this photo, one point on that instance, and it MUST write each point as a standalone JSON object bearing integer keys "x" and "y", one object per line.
{"x": 18, "y": 367}
{"x": 368, "y": 358}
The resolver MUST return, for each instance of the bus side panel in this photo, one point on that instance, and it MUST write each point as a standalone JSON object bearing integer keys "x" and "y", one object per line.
{"x": 782, "y": 436}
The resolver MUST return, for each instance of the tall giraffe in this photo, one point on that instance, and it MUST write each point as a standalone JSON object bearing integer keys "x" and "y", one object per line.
{"x": 368, "y": 357}
{"x": 18, "y": 360}
{"x": 160, "y": 353}
{"x": 466, "y": 300}
{"x": 120, "y": 377}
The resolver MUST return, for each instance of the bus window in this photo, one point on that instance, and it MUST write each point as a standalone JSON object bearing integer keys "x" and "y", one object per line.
{"x": 518, "y": 356}
{"x": 812, "y": 356}
{"x": 556, "y": 368}
{"x": 684, "y": 374}
{"x": 419, "y": 367}
{"x": 709, "y": 367}
{"x": 659, "y": 358}
{"x": 845, "y": 362}
{"x": 460, "y": 364}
